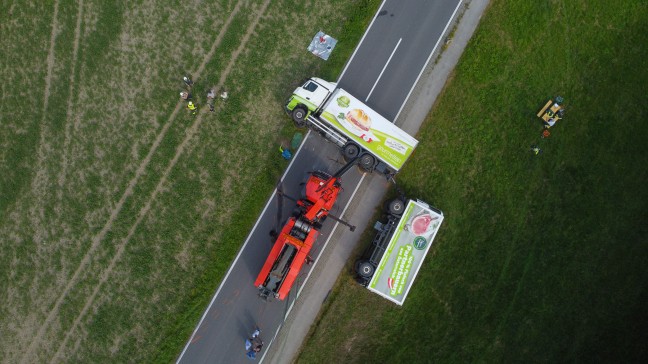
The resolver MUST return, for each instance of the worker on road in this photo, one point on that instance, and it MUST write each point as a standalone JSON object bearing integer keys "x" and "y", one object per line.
{"x": 191, "y": 106}
{"x": 253, "y": 344}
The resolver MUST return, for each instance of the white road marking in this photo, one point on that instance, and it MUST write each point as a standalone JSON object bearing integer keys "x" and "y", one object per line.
{"x": 270, "y": 343}
{"x": 241, "y": 250}
{"x": 360, "y": 43}
{"x": 383, "y": 70}
{"x": 428, "y": 61}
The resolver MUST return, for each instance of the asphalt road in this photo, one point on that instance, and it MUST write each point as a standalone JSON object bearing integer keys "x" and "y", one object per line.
{"x": 394, "y": 52}
{"x": 236, "y": 308}
{"x": 378, "y": 72}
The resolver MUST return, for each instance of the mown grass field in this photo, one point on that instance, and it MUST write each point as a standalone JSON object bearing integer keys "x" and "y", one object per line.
{"x": 540, "y": 258}
{"x": 119, "y": 211}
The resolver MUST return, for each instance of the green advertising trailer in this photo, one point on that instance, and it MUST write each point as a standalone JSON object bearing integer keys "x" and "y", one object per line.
{"x": 356, "y": 128}
{"x": 391, "y": 263}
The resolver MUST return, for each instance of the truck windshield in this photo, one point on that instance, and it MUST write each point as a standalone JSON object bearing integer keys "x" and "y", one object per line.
{"x": 310, "y": 86}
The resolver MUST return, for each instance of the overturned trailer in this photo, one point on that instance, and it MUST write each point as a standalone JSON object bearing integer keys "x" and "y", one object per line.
{"x": 390, "y": 264}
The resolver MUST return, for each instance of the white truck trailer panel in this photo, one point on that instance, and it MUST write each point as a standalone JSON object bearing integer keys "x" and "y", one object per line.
{"x": 369, "y": 129}
{"x": 406, "y": 251}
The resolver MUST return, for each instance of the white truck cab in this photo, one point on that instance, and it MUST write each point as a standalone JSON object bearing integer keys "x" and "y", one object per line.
{"x": 315, "y": 91}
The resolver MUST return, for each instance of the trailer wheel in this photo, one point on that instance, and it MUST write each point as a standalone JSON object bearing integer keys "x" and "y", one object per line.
{"x": 365, "y": 269}
{"x": 396, "y": 207}
{"x": 351, "y": 151}
{"x": 367, "y": 162}
{"x": 299, "y": 116}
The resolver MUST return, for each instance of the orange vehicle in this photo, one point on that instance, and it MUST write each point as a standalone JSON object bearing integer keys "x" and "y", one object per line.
{"x": 294, "y": 242}
{"x": 286, "y": 259}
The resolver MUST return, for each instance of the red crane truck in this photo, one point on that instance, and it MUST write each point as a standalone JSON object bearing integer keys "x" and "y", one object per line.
{"x": 294, "y": 242}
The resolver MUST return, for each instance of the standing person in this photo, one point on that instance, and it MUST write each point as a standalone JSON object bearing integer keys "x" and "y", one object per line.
{"x": 210, "y": 99}
{"x": 188, "y": 81}
{"x": 253, "y": 344}
{"x": 191, "y": 106}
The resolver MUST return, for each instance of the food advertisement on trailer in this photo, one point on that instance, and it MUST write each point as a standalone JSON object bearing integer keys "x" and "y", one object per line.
{"x": 369, "y": 129}
{"x": 405, "y": 252}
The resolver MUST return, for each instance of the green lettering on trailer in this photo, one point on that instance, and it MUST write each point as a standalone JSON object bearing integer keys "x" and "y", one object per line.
{"x": 394, "y": 239}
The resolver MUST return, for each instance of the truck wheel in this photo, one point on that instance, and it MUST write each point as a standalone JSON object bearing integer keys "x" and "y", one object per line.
{"x": 365, "y": 269}
{"x": 396, "y": 207}
{"x": 351, "y": 151}
{"x": 299, "y": 116}
{"x": 367, "y": 162}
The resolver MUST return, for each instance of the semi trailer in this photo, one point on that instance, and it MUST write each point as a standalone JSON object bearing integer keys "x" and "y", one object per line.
{"x": 390, "y": 264}
{"x": 353, "y": 126}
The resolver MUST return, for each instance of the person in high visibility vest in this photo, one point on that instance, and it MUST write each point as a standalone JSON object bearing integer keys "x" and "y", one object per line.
{"x": 191, "y": 106}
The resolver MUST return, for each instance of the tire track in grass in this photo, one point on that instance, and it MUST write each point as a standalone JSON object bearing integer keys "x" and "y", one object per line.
{"x": 39, "y": 182}
{"x": 68, "y": 126}
{"x": 193, "y": 129}
{"x": 39, "y": 185}
{"x": 50, "y": 59}
{"x": 96, "y": 241}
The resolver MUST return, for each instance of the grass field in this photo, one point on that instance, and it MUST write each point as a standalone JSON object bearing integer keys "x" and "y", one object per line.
{"x": 540, "y": 258}
{"x": 119, "y": 211}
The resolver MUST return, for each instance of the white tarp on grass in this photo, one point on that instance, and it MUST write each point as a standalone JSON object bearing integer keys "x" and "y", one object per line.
{"x": 405, "y": 252}
{"x": 322, "y": 45}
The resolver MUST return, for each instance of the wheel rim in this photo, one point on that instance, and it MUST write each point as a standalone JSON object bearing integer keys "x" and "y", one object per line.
{"x": 366, "y": 161}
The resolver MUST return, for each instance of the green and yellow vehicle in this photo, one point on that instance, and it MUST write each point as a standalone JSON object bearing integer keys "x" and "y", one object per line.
{"x": 352, "y": 125}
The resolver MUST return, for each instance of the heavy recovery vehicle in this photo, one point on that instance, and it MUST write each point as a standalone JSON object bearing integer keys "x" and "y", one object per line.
{"x": 295, "y": 240}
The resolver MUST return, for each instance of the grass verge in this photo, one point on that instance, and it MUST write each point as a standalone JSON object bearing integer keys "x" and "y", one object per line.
{"x": 541, "y": 258}
{"x": 150, "y": 236}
